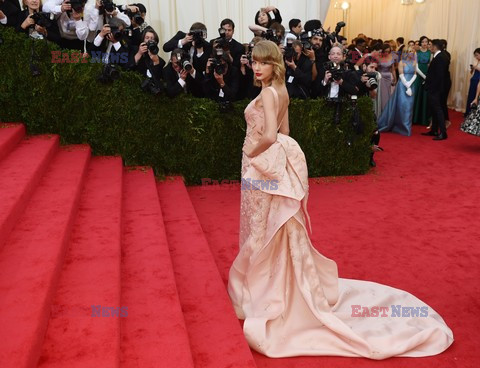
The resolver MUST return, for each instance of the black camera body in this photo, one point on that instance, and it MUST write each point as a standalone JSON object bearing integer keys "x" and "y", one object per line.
{"x": 136, "y": 17}
{"x": 222, "y": 40}
{"x": 289, "y": 53}
{"x": 216, "y": 64}
{"x": 108, "y": 5}
{"x": 118, "y": 34}
{"x": 270, "y": 35}
{"x": 42, "y": 19}
{"x": 199, "y": 36}
{"x": 305, "y": 40}
{"x": 149, "y": 85}
{"x": 373, "y": 84}
{"x": 337, "y": 70}
{"x": 183, "y": 60}
{"x": 152, "y": 46}
{"x": 110, "y": 72}
{"x": 78, "y": 5}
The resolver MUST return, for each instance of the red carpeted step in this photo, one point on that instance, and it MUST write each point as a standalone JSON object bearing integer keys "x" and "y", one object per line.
{"x": 216, "y": 338}
{"x": 31, "y": 260}
{"x": 20, "y": 173}
{"x": 10, "y": 136}
{"x": 84, "y": 328}
{"x": 154, "y": 334}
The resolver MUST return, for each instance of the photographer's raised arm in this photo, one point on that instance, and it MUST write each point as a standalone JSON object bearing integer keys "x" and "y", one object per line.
{"x": 56, "y": 6}
{"x": 256, "y": 29}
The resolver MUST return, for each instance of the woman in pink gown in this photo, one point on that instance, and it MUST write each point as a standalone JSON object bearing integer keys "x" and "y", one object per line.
{"x": 290, "y": 295}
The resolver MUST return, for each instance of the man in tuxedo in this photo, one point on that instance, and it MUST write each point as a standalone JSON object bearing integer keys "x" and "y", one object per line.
{"x": 448, "y": 84}
{"x": 232, "y": 47}
{"x": 400, "y": 45}
{"x": 298, "y": 75}
{"x": 435, "y": 85}
{"x": 180, "y": 80}
{"x": 199, "y": 50}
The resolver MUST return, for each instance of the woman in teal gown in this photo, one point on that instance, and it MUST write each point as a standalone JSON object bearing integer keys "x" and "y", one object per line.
{"x": 421, "y": 113}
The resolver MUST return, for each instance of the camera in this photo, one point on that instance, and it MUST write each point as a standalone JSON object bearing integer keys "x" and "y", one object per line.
{"x": 183, "y": 60}
{"x": 42, "y": 19}
{"x": 108, "y": 5}
{"x": 289, "y": 51}
{"x": 199, "y": 36}
{"x": 374, "y": 83}
{"x": 270, "y": 35}
{"x": 110, "y": 72}
{"x": 217, "y": 65}
{"x": 118, "y": 34}
{"x": 149, "y": 85}
{"x": 305, "y": 40}
{"x": 77, "y": 5}
{"x": 335, "y": 69}
{"x": 136, "y": 17}
{"x": 152, "y": 47}
{"x": 222, "y": 40}
{"x": 251, "y": 45}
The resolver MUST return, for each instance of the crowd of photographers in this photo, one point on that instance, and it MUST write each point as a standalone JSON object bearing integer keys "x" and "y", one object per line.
{"x": 220, "y": 68}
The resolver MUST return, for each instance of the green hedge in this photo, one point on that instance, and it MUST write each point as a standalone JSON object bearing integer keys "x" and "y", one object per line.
{"x": 185, "y": 135}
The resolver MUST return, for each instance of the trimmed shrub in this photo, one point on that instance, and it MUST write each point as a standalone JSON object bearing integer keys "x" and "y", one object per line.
{"x": 186, "y": 135}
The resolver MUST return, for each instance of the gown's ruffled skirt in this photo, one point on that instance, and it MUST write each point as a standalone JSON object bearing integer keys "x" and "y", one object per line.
{"x": 289, "y": 294}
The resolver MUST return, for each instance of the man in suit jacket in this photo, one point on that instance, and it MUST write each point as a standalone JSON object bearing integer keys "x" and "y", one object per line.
{"x": 435, "y": 85}
{"x": 199, "y": 51}
{"x": 448, "y": 84}
{"x": 178, "y": 80}
{"x": 233, "y": 48}
{"x": 110, "y": 45}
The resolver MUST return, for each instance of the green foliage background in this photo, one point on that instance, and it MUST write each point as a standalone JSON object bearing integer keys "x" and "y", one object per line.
{"x": 185, "y": 135}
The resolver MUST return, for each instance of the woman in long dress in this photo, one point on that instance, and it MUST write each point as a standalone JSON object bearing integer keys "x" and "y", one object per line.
{"x": 474, "y": 80}
{"x": 397, "y": 114}
{"x": 386, "y": 67}
{"x": 421, "y": 114}
{"x": 471, "y": 124}
{"x": 289, "y": 294}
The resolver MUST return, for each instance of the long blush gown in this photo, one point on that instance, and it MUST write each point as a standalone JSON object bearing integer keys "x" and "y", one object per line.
{"x": 290, "y": 296}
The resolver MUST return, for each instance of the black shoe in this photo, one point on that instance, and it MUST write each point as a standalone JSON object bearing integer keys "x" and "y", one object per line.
{"x": 432, "y": 134}
{"x": 440, "y": 137}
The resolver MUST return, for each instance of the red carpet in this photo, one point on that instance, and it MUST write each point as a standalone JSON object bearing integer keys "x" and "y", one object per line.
{"x": 77, "y": 232}
{"x": 411, "y": 223}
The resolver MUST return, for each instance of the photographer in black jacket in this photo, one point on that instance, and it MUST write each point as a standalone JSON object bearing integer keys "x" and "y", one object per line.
{"x": 180, "y": 75}
{"x": 298, "y": 74}
{"x": 194, "y": 43}
{"x": 233, "y": 49}
{"x": 145, "y": 59}
{"x": 221, "y": 78}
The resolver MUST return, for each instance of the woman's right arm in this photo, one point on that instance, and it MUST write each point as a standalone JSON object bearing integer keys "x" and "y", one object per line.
{"x": 269, "y": 135}
{"x": 256, "y": 29}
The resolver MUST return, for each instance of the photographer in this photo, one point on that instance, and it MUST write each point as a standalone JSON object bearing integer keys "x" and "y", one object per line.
{"x": 145, "y": 56}
{"x": 9, "y": 11}
{"x": 247, "y": 88}
{"x": 99, "y": 13}
{"x": 337, "y": 81}
{"x": 111, "y": 43}
{"x": 368, "y": 84}
{"x": 137, "y": 13}
{"x": 221, "y": 78}
{"x": 36, "y": 23}
{"x": 232, "y": 48}
{"x": 355, "y": 55}
{"x": 73, "y": 29}
{"x": 298, "y": 74}
{"x": 265, "y": 17}
{"x": 180, "y": 75}
{"x": 295, "y": 26}
{"x": 194, "y": 43}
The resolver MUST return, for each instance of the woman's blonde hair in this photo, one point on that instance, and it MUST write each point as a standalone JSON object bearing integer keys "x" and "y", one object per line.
{"x": 268, "y": 52}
